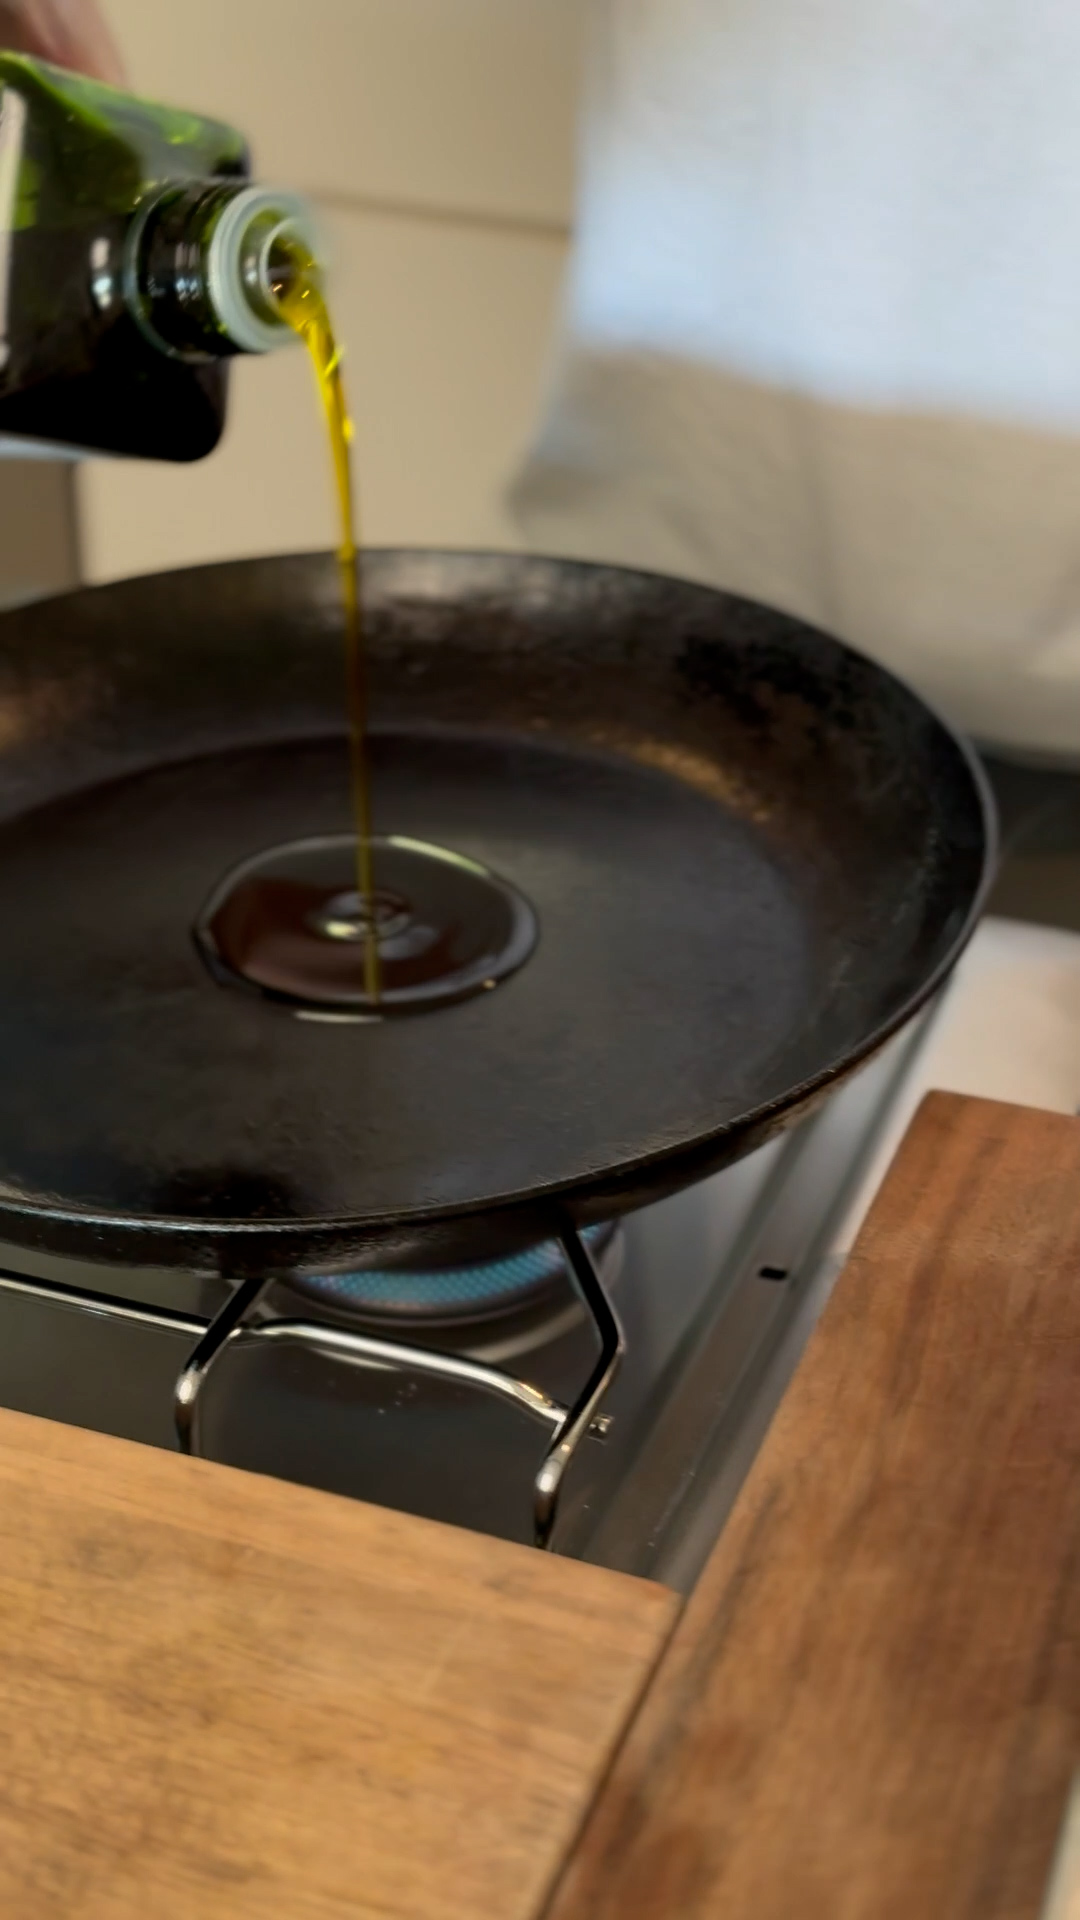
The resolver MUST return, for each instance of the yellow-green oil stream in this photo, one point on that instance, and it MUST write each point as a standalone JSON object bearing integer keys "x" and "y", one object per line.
{"x": 302, "y": 303}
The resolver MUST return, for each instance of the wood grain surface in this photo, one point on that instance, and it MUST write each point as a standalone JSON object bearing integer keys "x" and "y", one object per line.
{"x": 223, "y": 1695}
{"x": 871, "y": 1708}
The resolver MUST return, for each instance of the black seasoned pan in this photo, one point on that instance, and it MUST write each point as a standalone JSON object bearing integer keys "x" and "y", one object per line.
{"x": 747, "y": 853}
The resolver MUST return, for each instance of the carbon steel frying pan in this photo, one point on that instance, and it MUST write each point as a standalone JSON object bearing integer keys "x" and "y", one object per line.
{"x": 751, "y": 854}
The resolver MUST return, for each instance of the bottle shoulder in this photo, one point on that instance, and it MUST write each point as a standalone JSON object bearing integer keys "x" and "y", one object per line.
{"x": 90, "y": 149}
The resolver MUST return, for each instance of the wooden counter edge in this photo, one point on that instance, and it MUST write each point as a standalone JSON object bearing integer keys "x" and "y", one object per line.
{"x": 870, "y": 1708}
{"x": 174, "y": 1626}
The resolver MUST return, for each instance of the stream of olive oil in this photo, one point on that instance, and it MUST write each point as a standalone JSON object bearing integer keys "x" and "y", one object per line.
{"x": 303, "y": 305}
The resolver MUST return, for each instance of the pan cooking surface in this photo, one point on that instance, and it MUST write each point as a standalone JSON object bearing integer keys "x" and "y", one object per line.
{"x": 748, "y": 854}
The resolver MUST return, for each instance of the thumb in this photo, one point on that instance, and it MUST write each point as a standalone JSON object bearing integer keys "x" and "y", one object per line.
{"x": 72, "y": 33}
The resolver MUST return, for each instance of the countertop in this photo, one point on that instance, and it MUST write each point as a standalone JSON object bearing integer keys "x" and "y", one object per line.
{"x": 871, "y": 1707}
{"x": 225, "y": 1695}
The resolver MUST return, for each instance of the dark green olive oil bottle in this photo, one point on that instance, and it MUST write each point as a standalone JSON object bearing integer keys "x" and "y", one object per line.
{"x": 134, "y": 264}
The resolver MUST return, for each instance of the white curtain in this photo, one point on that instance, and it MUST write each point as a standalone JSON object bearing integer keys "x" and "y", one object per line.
{"x": 821, "y": 340}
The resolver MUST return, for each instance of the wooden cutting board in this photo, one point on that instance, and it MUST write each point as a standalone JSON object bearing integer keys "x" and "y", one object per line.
{"x": 871, "y": 1708}
{"x": 222, "y": 1695}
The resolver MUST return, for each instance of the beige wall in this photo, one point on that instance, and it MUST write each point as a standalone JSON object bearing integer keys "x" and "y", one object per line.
{"x": 436, "y": 137}
{"x": 39, "y": 535}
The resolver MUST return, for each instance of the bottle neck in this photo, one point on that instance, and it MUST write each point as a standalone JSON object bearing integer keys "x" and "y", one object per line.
{"x": 200, "y": 268}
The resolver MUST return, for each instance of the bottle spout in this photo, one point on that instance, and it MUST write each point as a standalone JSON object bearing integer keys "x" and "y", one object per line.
{"x": 261, "y": 242}
{"x": 205, "y": 266}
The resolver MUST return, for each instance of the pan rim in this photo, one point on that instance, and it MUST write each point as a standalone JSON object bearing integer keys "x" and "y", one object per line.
{"x": 171, "y": 1233}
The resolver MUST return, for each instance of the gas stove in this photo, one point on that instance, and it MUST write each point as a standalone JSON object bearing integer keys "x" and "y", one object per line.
{"x": 378, "y": 1384}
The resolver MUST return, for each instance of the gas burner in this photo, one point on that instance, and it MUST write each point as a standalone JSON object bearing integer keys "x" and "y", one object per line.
{"x": 452, "y": 1392}
{"x": 487, "y": 1290}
